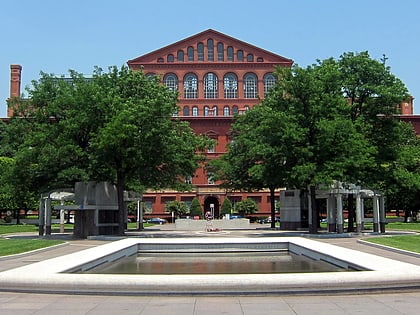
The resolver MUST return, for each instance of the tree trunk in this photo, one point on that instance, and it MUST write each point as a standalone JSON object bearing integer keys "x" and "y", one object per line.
{"x": 121, "y": 208}
{"x": 273, "y": 208}
{"x": 313, "y": 225}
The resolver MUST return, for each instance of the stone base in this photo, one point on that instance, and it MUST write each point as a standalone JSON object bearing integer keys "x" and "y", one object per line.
{"x": 203, "y": 225}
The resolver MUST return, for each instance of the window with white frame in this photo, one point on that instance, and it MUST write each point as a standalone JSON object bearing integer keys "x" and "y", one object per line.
{"x": 190, "y": 86}
{"x": 269, "y": 82}
{"x": 195, "y": 111}
{"x": 230, "y": 85}
{"x": 250, "y": 86}
{"x": 210, "y": 85}
{"x": 206, "y": 110}
{"x": 171, "y": 82}
{"x": 226, "y": 111}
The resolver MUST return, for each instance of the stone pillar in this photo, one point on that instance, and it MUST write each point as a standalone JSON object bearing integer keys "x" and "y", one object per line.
{"x": 375, "y": 213}
{"x": 382, "y": 215}
{"x": 359, "y": 201}
{"x": 340, "y": 221}
{"x": 41, "y": 217}
{"x": 48, "y": 216}
{"x": 331, "y": 214}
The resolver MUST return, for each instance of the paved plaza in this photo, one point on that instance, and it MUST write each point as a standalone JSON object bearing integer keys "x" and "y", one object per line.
{"x": 390, "y": 302}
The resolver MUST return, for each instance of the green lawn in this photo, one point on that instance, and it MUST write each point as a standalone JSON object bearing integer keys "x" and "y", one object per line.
{"x": 17, "y": 246}
{"x": 405, "y": 242}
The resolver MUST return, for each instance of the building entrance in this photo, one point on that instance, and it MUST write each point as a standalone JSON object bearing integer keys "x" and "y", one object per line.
{"x": 212, "y": 204}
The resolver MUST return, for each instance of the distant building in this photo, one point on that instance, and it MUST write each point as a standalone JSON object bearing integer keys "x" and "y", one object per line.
{"x": 217, "y": 77}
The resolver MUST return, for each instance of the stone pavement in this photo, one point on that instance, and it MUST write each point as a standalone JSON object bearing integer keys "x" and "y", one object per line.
{"x": 383, "y": 303}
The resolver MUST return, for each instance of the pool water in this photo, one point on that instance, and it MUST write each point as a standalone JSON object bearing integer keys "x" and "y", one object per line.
{"x": 151, "y": 263}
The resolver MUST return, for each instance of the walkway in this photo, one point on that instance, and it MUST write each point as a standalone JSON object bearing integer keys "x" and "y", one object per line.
{"x": 400, "y": 302}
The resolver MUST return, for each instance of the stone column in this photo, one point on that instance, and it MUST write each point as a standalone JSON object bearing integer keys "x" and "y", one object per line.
{"x": 41, "y": 217}
{"x": 359, "y": 202}
{"x": 382, "y": 215}
{"x": 48, "y": 216}
{"x": 340, "y": 221}
{"x": 375, "y": 213}
{"x": 331, "y": 214}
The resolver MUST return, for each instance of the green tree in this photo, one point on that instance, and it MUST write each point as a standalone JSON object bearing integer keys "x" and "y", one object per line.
{"x": 226, "y": 207}
{"x": 179, "y": 208}
{"x": 246, "y": 206}
{"x": 260, "y": 155}
{"x": 117, "y": 126}
{"x": 195, "y": 208}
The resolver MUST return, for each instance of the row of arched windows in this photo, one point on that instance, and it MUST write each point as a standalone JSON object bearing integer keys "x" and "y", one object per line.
{"x": 210, "y": 52}
{"x": 211, "y": 111}
{"x": 211, "y": 85}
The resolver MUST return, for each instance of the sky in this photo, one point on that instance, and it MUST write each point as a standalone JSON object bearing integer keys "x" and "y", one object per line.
{"x": 55, "y": 36}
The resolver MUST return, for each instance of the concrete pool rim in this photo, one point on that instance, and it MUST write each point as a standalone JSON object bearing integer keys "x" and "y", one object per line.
{"x": 48, "y": 276}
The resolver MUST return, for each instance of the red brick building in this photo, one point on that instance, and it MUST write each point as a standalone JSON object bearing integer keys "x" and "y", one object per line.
{"x": 216, "y": 76}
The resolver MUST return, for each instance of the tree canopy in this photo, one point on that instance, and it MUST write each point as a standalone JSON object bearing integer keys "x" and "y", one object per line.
{"x": 116, "y": 126}
{"x": 331, "y": 121}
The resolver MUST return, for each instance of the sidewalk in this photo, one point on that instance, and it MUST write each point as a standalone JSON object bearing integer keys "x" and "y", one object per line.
{"x": 382, "y": 303}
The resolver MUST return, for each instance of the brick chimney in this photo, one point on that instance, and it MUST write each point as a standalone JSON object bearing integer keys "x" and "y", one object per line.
{"x": 15, "y": 82}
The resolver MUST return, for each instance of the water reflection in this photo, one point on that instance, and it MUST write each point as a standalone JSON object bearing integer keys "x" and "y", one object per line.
{"x": 215, "y": 263}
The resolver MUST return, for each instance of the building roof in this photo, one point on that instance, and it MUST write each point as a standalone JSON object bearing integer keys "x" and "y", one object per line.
{"x": 268, "y": 57}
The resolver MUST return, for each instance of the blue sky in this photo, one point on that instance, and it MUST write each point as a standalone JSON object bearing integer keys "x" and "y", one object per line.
{"x": 54, "y": 36}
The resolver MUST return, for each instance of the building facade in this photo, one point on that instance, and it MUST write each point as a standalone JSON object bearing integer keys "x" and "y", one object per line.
{"x": 217, "y": 77}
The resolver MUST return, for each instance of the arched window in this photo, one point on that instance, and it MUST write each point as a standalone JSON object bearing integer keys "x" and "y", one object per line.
{"x": 250, "y": 57}
{"x": 171, "y": 82}
{"x": 235, "y": 110}
{"x": 220, "y": 52}
{"x": 250, "y": 86}
{"x": 210, "y": 85}
{"x": 181, "y": 55}
{"x": 230, "y": 53}
{"x": 260, "y": 59}
{"x": 190, "y": 53}
{"x": 230, "y": 85}
{"x": 200, "y": 51}
{"x": 269, "y": 82}
{"x": 195, "y": 111}
{"x": 240, "y": 55}
{"x": 210, "y": 50}
{"x": 190, "y": 86}
{"x": 206, "y": 110}
{"x": 186, "y": 111}
{"x": 160, "y": 59}
{"x": 215, "y": 111}
{"x": 170, "y": 58}
{"x": 226, "y": 111}
{"x": 150, "y": 76}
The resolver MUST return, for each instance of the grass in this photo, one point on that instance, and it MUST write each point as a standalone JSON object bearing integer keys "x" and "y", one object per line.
{"x": 17, "y": 246}
{"x": 405, "y": 242}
